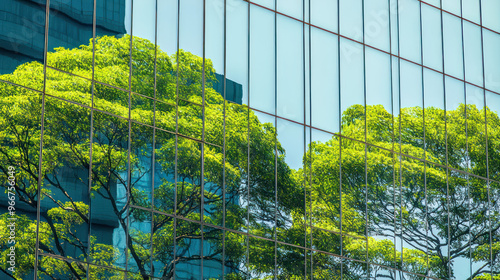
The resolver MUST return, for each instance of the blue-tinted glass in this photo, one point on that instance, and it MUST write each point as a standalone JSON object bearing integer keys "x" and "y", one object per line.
{"x": 456, "y": 124}
{"x": 376, "y": 21}
{"x": 409, "y": 29}
{"x": 66, "y": 182}
{"x": 352, "y": 94}
{"x": 378, "y": 97}
{"x": 324, "y": 14}
{"x": 451, "y": 6}
{"x": 290, "y": 67}
{"x": 453, "y": 53}
{"x": 324, "y": 81}
{"x": 237, "y": 49}
{"x": 291, "y": 8}
{"x": 489, "y": 14}
{"x": 435, "y": 128}
{"x": 431, "y": 38}
{"x": 470, "y": 10}
{"x": 473, "y": 53}
{"x": 491, "y": 43}
{"x": 23, "y": 37}
{"x": 493, "y": 126}
{"x": 351, "y": 19}
{"x": 69, "y": 27}
{"x": 411, "y": 114}
{"x": 262, "y": 63}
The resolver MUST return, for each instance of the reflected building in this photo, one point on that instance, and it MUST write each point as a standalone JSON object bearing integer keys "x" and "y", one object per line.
{"x": 164, "y": 139}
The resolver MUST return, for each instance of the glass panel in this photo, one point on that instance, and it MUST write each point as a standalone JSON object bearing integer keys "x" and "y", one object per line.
{"x": 111, "y": 100}
{"x": 453, "y": 53}
{"x": 470, "y": 10}
{"x": 352, "y": 89}
{"x": 68, "y": 87}
{"x": 237, "y": 48}
{"x": 431, "y": 38}
{"x": 411, "y": 115}
{"x": 163, "y": 246}
{"x": 491, "y": 44}
{"x": 52, "y": 268}
{"x": 376, "y": 21}
{"x": 394, "y": 28}
{"x": 353, "y": 155}
{"x": 70, "y": 26}
{"x": 167, "y": 18}
{"x": 476, "y": 130}
{"x": 109, "y": 189}
{"x": 190, "y": 119}
{"x": 414, "y": 216}
{"x": 473, "y": 53}
{"x": 262, "y": 182}
{"x": 235, "y": 261}
{"x": 493, "y": 123}
{"x": 495, "y": 227}
{"x": 166, "y": 78}
{"x": 237, "y": 166}
{"x": 266, "y": 3}
{"x": 261, "y": 259}
{"x": 143, "y": 46}
{"x": 435, "y": 123}
{"x": 489, "y": 14}
{"x": 438, "y": 204}
{"x": 290, "y": 184}
{"x": 112, "y": 59}
{"x": 354, "y": 269}
{"x": 141, "y": 165}
{"x": 19, "y": 157}
{"x": 290, "y": 79}
{"x": 190, "y": 55}
{"x": 409, "y": 32}
{"x": 324, "y": 81}
{"x": 451, "y": 6}
{"x": 323, "y": 157}
{"x": 164, "y": 171}
{"x": 139, "y": 234}
{"x": 459, "y": 206}
{"x": 213, "y": 244}
{"x": 380, "y": 206}
{"x": 262, "y": 63}
{"x": 165, "y": 116}
{"x": 65, "y": 203}
{"x": 291, "y": 8}
{"x": 324, "y": 14}
{"x": 187, "y": 250}
{"x": 99, "y": 272}
{"x": 456, "y": 124}
{"x": 290, "y": 262}
{"x": 213, "y": 176}
{"x": 214, "y": 37}
{"x": 188, "y": 178}
{"x": 378, "y": 98}
{"x": 479, "y": 227}
{"x": 23, "y": 42}
{"x": 142, "y": 109}
{"x": 326, "y": 267}
{"x": 351, "y": 19}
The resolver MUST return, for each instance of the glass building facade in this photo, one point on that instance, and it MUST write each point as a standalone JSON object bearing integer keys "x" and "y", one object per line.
{"x": 263, "y": 139}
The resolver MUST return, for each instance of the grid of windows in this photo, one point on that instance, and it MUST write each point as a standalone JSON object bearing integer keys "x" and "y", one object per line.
{"x": 264, "y": 139}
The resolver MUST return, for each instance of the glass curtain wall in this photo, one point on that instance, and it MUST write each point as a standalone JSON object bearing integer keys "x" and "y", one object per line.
{"x": 263, "y": 139}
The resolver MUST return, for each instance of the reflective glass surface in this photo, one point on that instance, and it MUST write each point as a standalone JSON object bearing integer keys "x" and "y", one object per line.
{"x": 234, "y": 139}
